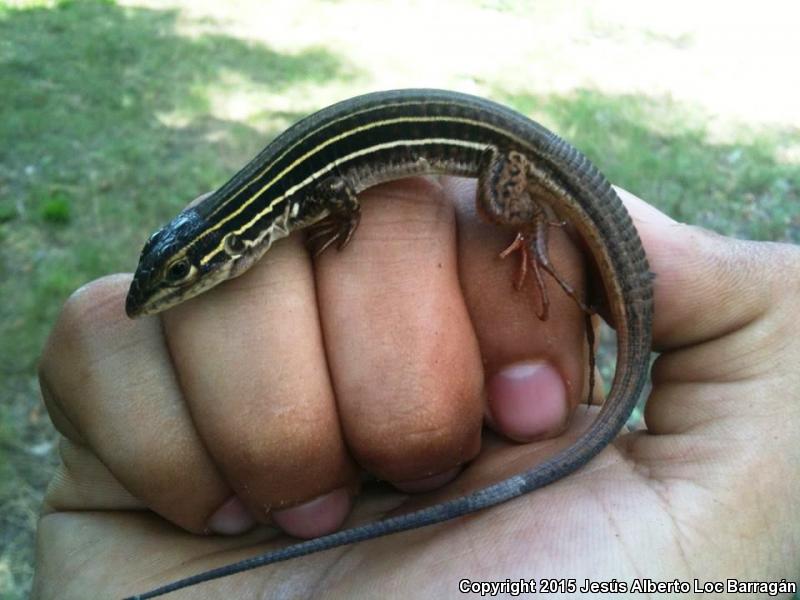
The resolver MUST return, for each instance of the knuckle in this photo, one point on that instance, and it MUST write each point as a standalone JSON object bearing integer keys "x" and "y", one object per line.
{"x": 93, "y": 304}
{"x": 419, "y": 450}
{"x": 85, "y": 314}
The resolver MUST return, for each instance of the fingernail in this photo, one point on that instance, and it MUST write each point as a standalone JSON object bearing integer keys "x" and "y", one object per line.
{"x": 321, "y": 515}
{"x": 426, "y": 484}
{"x": 528, "y": 401}
{"x": 232, "y": 518}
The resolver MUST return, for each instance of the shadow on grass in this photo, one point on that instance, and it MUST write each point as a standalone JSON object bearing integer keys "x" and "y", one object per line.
{"x": 88, "y": 87}
{"x": 106, "y": 133}
{"x": 664, "y": 152}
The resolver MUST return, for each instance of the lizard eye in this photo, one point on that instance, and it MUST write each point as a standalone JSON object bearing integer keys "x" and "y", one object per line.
{"x": 234, "y": 245}
{"x": 178, "y": 271}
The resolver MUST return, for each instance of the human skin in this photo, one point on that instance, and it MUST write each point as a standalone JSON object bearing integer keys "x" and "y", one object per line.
{"x": 276, "y": 388}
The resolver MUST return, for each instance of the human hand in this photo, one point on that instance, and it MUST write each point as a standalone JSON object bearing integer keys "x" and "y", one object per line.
{"x": 375, "y": 354}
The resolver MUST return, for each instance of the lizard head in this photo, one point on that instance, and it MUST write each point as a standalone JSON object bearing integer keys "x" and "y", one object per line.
{"x": 179, "y": 261}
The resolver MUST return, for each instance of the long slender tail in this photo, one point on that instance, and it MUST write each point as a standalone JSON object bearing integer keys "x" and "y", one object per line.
{"x": 611, "y": 419}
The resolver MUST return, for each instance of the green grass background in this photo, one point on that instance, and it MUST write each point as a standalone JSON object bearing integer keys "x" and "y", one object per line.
{"x": 113, "y": 116}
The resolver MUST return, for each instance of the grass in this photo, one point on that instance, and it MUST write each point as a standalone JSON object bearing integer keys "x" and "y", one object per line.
{"x": 91, "y": 148}
{"x": 111, "y": 119}
{"x": 664, "y": 152}
{"x": 87, "y": 89}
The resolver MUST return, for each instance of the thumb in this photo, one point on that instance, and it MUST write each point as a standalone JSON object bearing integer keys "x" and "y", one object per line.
{"x": 724, "y": 314}
{"x": 725, "y": 407}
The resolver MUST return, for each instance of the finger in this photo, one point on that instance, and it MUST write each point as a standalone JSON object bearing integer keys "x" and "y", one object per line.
{"x": 536, "y": 371}
{"x": 404, "y": 360}
{"x": 251, "y": 362}
{"x": 109, "y": 386}
{"x": 696, "y": 269}
{"x": 718, "y": 317}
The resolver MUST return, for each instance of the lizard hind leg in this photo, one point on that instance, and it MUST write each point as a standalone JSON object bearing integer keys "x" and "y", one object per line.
{"x": 539, "y": 254}
{"x": 533, "y": 255}
{"x": 507, "y": 195}
{"x": 538, "y": 248}
{"x": 521, "y": 245}
{"x": 532, "y": 248}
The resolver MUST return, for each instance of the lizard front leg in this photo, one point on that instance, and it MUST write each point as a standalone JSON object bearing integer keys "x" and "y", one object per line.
{"x": 335, "y": 197}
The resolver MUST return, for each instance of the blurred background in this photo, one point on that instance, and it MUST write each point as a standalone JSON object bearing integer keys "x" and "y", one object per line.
{"x": 114, "y": 114}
